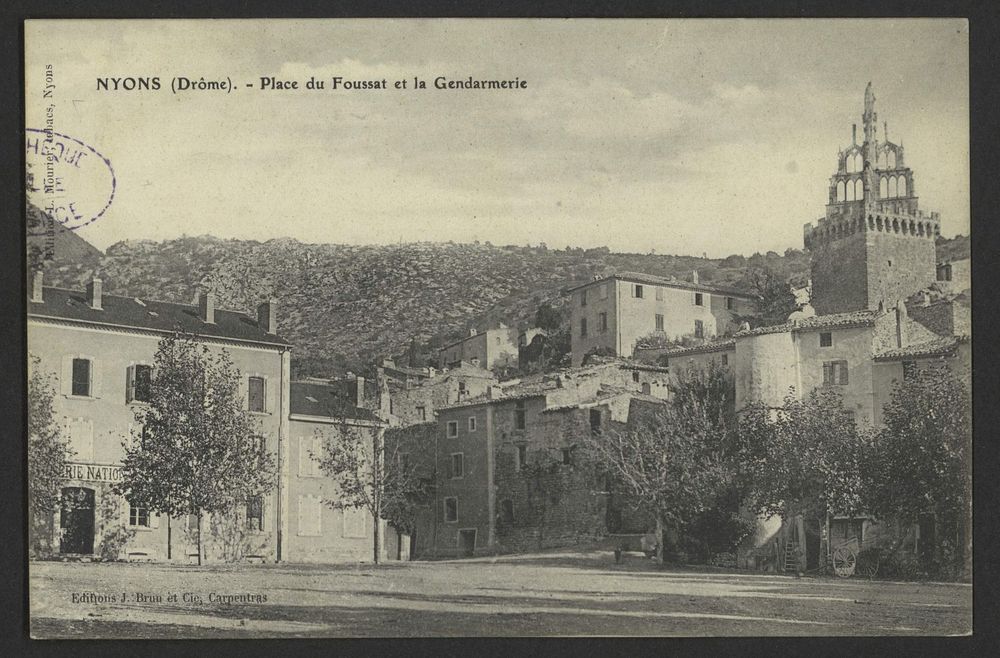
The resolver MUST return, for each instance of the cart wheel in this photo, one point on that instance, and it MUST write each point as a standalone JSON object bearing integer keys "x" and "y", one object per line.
{"x": 844, "y": 561}
{"x": 868, "y": 563}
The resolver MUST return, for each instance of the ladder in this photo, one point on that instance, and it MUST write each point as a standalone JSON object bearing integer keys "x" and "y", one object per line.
{"x": 791, "y": 556}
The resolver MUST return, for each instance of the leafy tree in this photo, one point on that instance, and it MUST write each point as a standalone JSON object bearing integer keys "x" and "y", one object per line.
{"x": 804, "y": 457}
{"x": 372, "y": 475}
{"x": 47, "y": 453}
{"x": 922, "y": 461}
{"x": 776, "y": 301}
{"x": 199, "y": 449}
{"x": 548, "y": 318}
{"x": 674, "y": 462}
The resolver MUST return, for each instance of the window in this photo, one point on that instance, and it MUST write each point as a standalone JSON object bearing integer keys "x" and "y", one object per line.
{"x": 507, "y": 510}
{"x": 659, "y": 322}
{"x": 422, "y": 413}
{"x": 595, "y": 420}
{"x": 461, "y": 390}
{"x": 392, "y": 407}
{"x": 522, "y": 456}
{"x": 567, "y": 456}
{"x": 605, "y": 288}
{"x": 583, "y": 327}
{"x": 355, "y": 522}
{"x": 725, "y": 359}
{"x": 472, "y": 423}
{"x": 457, "y": 465}
{"x": 730, "y": 303}
{"x": 310, "y": 516}
{"x": 646, "y": 388}
{"x": 698, "y": 299}
{"x": 191, "y": 523}
{"x": 635, "y": 376}
{"x": 138, "y": 516}
{"x": 826, "y": 339}
{"x": 451, "y": 510}
{"x": 255, "y": 388}
{"x": 138, "y": 384}
{"x": 659, "y": 294}
{"x": 255, "y": 513}
{"x": 81, "y": 377}
{"x": 583, "y": 298}
{"x": 699, "y": 329}
{"x": 909, "y": 369}
{"x": 834, "y": 373}
{"x": 452, "y": 429}
{"x": 519, "y": 415}
{"x": 637, "y": 291}
{"x": 310, "y": 452}
{"x": 602, "y": 319}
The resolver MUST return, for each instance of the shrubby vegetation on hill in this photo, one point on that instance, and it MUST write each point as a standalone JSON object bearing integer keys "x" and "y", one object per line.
{"x": 345, "y": 305}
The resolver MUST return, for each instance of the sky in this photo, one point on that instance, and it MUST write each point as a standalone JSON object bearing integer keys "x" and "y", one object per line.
{"x": 675, "y": 136}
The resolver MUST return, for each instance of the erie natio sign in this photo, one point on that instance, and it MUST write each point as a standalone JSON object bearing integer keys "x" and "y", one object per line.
{"x": 93, "y": 472}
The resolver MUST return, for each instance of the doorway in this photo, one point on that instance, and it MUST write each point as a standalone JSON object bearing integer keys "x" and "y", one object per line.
{"x": 467, "y": 542}
{"x": 76, "y": 518}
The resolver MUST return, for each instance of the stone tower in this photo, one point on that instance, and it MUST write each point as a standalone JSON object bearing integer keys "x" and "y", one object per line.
{"x": 874, "y": 244}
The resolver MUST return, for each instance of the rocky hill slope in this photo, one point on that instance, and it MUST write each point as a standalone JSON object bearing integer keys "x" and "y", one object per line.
{"x": 345, "y": 305}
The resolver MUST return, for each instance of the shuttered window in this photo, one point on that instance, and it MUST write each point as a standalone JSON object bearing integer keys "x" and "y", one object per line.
{"x": 81, "y": 377}
{"x": 255, "y": 392}
{"x": 255, "y": 513}
{"x": 310, "y": 511}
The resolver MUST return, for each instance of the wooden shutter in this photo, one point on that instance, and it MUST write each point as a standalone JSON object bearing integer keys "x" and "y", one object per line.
{"x": 66, "y": 380}
{"x": 129, "y": 383}
{"x": 95, "y": 378}
{"x": 827, "y": 374}
{"x": 843, "y": 372}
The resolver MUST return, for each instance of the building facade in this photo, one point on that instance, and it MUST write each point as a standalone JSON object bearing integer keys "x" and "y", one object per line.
{"x": 615, "y": 311}
{"x": 508, "y": 464}
{"x": 100, "y": 350}
{"x": 487, "y": 349}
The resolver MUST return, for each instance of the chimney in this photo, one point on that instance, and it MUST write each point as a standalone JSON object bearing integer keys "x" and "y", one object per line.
{"x": 360, "y": 388}
{"x": 94, "y": 294}
{"x": 206, "y": 306}
{"x": 493, "y": 392}
{"x": 694, "y": 276}
{"x": 472, "y": 331}
{"x": 267, "y": 316}
{"x": 36, "y": 286}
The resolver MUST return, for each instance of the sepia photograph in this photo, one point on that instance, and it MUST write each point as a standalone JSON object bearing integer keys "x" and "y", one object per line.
{"x": 402, "y": 328}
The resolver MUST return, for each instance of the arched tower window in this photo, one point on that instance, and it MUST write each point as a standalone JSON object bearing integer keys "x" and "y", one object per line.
{"x": 891, "y": 159}
{"x": 859, "y": 189}
{"x": 902, "y": 186}
{"x": 841, "y": 192}
{"x": 892, "y": 186}
{"x": 883, "y": 187}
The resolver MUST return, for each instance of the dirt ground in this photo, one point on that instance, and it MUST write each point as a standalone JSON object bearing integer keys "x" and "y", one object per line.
{"x": 560, "y": 593}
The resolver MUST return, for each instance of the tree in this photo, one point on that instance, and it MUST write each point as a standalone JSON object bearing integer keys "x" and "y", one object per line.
{"x": 372, "y": 475}
{"x": 922, "y": 458}
{"x": 776, "y": 301}
{"x": 47, "y": 454}
{"x": 548, "y": 318}
{"x": 199, "y": 450}
{"x": 804, "y": 457}
{"x": 673, "y": 460}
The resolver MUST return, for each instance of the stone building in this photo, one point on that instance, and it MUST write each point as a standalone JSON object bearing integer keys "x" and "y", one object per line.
{"x": 507, "y": 463}
{"x": 415, "y": 401}
{"x": 492, "y": 348}
{"x": 615, "y": 311}
{"x": 100, "y": 349}
{"x": 874, "y": 244}
{"x": 878, "y": 311}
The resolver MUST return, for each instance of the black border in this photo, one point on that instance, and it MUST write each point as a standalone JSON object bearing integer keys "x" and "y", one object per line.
{"x": 984, "y": 101}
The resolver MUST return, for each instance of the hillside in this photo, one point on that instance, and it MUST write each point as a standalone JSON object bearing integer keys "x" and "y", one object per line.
{"x": 345, "y": 305}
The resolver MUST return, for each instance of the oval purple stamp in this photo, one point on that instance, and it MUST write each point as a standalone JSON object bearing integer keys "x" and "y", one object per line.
{"x": 70, "y": 181}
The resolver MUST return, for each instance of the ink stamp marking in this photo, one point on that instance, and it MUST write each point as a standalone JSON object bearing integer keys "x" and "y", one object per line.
{"x": 71, "y": 181}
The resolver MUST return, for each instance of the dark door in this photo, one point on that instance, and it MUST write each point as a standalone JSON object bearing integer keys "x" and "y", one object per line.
{"x": 76, "y": 518}
{"x": 812, "y": 544}
{"x": 467, "y": 542}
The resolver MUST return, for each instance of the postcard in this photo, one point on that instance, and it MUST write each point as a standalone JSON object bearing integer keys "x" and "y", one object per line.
{"x": 469, "y": 327}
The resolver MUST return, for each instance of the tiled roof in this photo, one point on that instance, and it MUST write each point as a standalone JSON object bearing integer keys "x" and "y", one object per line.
{"x": 603, "y": 395}
{"x": 716, "y": 346}
{"x": 149, "y": 314}
{"x": 653, "y": 280}
{"x": 328, "y": 400}
{"x": 839, "y": 320}
{"x": 935, "y": 347}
